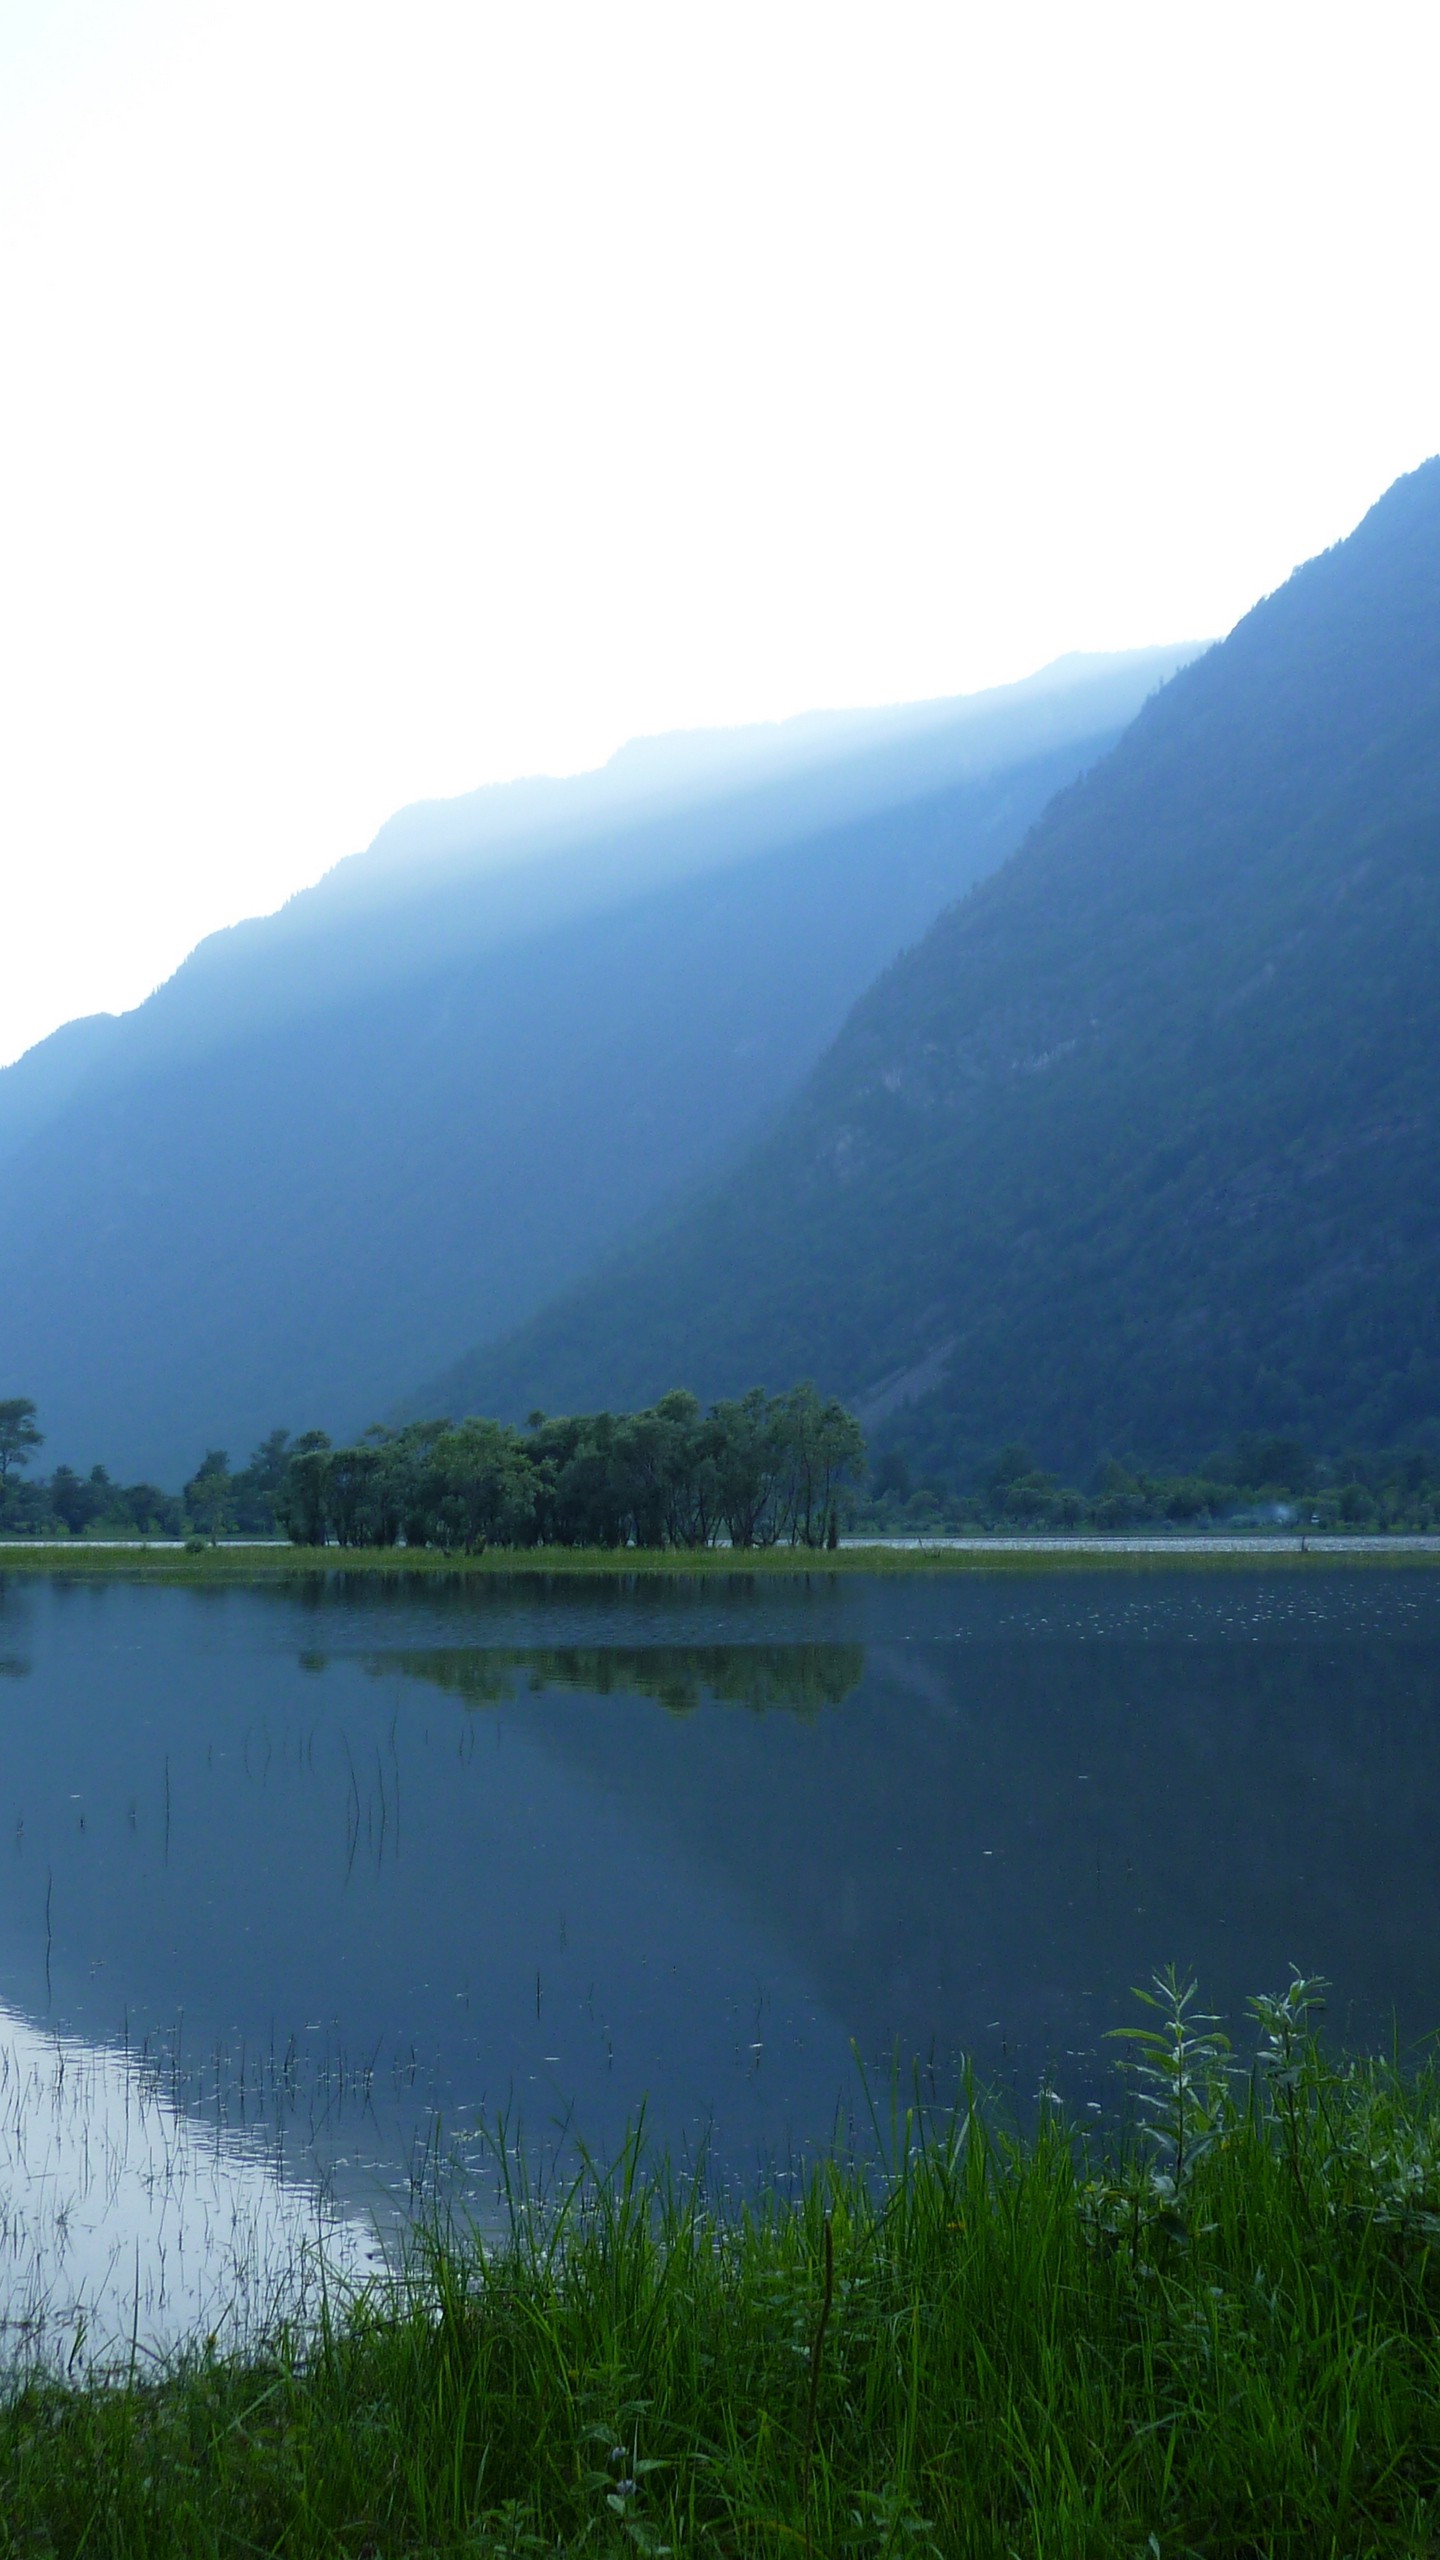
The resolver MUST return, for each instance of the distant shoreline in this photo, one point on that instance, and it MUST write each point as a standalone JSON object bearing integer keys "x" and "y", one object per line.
{"x": 239, "y": 1559}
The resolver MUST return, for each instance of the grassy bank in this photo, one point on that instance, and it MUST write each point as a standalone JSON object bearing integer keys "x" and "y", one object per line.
{"x": 1225, "y": 2340}
{"x": 240, "y": 1562}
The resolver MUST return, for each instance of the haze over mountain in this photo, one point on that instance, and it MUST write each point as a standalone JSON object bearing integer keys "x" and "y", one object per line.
{"x": 346, "y": 1141}
{"x": 1140, "y": 1146}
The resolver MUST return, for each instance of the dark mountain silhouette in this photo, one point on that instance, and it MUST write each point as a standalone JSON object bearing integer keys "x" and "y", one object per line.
{"x": 347, "y": 1140}
{"x": 1140, "y": 1146}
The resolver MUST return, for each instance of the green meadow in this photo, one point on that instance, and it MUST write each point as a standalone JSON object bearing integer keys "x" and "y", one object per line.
{"x": 241, "y": 1561}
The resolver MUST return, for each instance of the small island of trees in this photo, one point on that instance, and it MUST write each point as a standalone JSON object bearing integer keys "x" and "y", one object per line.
{"x": 756, "y": 1471}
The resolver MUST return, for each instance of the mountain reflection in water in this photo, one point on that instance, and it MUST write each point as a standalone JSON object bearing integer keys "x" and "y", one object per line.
{"x": 382, "y": 1859}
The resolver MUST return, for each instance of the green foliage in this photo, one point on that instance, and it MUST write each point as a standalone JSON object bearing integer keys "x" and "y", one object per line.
{"x": 72, "y": 1505}
{"x": 799, "y": 1678}
{"x": 995, "y": 2346}
{"x": 1181, "y": 2075}
{"x": 19, "y": 1434}
{"x": 1261, "y": 1483}
{"x": 216, "y": 1501}
{"x": 757, "y": 1471}
{"x": 209, "y": 1498}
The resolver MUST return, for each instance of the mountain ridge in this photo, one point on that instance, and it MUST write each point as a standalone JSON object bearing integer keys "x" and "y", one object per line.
{"x": 542, "y": 848}
{"x": 343, "y": 1141}
{"x": 1135, "y": 1149}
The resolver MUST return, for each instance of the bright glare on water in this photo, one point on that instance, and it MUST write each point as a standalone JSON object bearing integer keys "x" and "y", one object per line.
{"x": 126, "y": 2224}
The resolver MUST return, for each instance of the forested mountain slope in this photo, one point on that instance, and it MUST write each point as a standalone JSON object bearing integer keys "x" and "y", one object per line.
{"x": 347, "y": 1140}
{"x": 1140, "y": 1146}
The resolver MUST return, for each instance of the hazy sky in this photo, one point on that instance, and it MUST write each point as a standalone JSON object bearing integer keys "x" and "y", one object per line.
{"x": 401, "y": 397}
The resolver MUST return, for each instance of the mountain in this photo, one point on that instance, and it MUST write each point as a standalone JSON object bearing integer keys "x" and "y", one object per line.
{"x": 1140, "y": 1145}
{"x": 349, "y": 1139}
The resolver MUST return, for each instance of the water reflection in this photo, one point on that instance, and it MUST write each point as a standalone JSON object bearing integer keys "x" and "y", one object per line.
{"x": 368, "y": 1862}
{"x": 801, "y": 1678}
{"x": 126, "y": 2227}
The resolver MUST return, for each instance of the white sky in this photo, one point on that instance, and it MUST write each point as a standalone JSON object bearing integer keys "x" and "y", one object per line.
{"x": 395, "y": 398}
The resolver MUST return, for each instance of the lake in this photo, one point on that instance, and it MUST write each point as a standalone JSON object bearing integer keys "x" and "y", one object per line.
{"x": 308, "y": 1883}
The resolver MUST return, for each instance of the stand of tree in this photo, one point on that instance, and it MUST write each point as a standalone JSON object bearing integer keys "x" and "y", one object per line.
{"x": 757, "y": 1471}
{"x": 1264, "y": 1480}
{"x": 760, "y": 1471}
{"x": 67, "y": 1503}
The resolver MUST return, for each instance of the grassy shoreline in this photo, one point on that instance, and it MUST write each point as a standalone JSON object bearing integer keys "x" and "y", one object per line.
{"x": 1222, "y": 2338}
{"x": 255, "y": 1561}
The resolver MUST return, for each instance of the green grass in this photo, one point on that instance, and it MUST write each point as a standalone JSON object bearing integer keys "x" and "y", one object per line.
{"x": 1226, "y": 2346}
{"x": 241, "y": 1563}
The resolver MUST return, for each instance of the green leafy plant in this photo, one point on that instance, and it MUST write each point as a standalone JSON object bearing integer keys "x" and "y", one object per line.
{"x": 1182, "y": 2074}
{"x": 1288, "y": 2061}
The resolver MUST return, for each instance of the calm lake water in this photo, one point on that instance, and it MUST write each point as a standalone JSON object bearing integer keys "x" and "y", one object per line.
{"x": 324, "y": 1875}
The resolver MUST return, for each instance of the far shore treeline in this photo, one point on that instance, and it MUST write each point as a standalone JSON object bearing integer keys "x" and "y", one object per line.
{"x": 757, "y": 1471}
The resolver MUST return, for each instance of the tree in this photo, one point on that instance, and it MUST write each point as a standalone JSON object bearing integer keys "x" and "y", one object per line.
{"x": 750, "y": 1465}
{"x": 269, "y": 1461}
{"x": 18, "y": 1435}
{"x": 154, "y": 1513}
{"x": 77, "y": 1500}
{"x": 352, "y": 1483}
{"x": 487, "y": 1486}
{"x": 824, "y": 1450}
{"x": 300, "y": 1503}
{"x": 210, "y": 1494}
